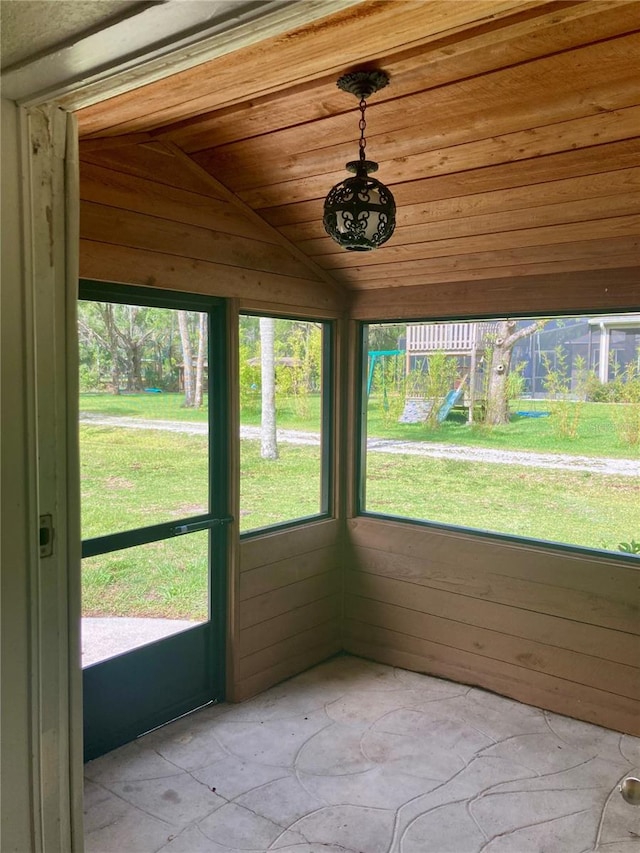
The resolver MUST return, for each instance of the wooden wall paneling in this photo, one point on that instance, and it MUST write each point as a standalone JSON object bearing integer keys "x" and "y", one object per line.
{"x": 555, "y": 631}
{"x": 275, "y": 545}
{"x": 589, "y": 670}
{"x": 608, "y": 290}
{"x": 265, "y": 578}
{"x": 163, "y": 236}
{"x": 108, "y": 262}
{"x": 534, "y": 594}
{"x": 278, "y": 601}
{"x": 290, "y": 624}
{"x": 323, "y": 635}
{"x": 154, "y": 161}
{"x": 342, "y": 449}
{"x": 518, "y": 682}
{"x": 520, "y": 38}
{"x": 217, "y": 186}
{"x": 294, "y": 665}
{"x": 289, "y": 602}
{"x": 127, "y": 192}
{"x": 362, "y": 31}
{"x": 613, "y": 581}
{"x": 233, "y": 487}
{"x": 152, "y": 250}
{"x": 552, "y": 628}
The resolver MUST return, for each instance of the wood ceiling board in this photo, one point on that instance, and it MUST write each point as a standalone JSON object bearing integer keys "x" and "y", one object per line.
{"x": 620, "y": 226}
{"x": 106, "y": 262}
{"x": 599, "y": 253}
{"x": 438, "y": 65}
{"x": 570, "y": 86}
{"x": 596, "y": 254}
{"x": 363, "y": 32}
{"x": 572, "y": 292}
{"x": 116, "y": 189}
{"x": 553, "y": 167}
{"x": 149, "y": 161}
{"x": 136, "y": 230}
{"x": 101, "y": 143}
{"x": 492, "y": 151}
{"x": 518, "y": 199}
{"x": 199, "y": 172}
{"x": 583, "y": 210}
{"x": 443, "y": 62}
{"x": 512, "y": 271}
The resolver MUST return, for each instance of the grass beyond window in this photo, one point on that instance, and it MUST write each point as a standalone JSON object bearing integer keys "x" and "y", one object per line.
{"x": 596, "y": 431}
{"x": 584, "y": 509}
{"x": 525, "y": 427}
{"x": 578, "y": 508}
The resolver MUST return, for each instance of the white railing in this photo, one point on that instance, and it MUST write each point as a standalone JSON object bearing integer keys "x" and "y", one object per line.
{"x": 447, "y": 337}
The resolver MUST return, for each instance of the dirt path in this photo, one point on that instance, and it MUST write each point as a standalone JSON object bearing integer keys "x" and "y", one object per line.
{"x": 561, "y": 461}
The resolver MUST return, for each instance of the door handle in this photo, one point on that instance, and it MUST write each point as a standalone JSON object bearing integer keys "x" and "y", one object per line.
{"x": 207, "y": 523}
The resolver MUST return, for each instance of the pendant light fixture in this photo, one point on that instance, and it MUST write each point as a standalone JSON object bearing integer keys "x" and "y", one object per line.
{"x": 360, "y": 212}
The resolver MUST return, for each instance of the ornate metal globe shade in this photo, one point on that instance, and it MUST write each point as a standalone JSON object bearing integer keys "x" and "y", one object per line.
{"x": 360, "y": 212}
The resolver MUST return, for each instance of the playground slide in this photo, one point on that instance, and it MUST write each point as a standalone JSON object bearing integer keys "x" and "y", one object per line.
{"x": 450, "y": 400}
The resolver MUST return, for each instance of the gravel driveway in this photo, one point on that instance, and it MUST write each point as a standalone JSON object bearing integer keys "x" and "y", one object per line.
{"x": 560, "y": 461}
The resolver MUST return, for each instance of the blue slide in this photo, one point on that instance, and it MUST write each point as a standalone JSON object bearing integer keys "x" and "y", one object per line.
{"x": 450, "y": 400}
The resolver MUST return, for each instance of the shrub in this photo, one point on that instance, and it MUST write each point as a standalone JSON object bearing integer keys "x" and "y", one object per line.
{"x": 626, "y": 393}
{"x": 566, "y": 405}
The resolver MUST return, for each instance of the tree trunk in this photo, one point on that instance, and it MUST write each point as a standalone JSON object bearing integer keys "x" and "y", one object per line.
{"x": 106, "y": 309}
{"x": 134, "y": 373}
{"x": 202, "y": 348}
{"x": 269, "y": 443}
{"x": 498, "y": 380}
{"x": 187, "y": 359}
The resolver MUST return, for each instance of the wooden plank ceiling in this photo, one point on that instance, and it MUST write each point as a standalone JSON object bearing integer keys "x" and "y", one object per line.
{"x": 509, "y": 135}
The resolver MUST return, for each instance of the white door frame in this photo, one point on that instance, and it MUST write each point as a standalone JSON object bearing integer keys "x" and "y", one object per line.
{"x": 40, "y": 272}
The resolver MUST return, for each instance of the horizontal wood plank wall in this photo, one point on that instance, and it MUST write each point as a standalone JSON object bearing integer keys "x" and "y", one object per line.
{"x": 146, "y": 219}
{"x": 289, "y": 604}
{"x": 556, "y": 630}
{"x": 579, "y": 292}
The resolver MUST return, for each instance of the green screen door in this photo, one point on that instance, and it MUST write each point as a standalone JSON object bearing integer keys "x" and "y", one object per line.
{"x": 154, "y": 508}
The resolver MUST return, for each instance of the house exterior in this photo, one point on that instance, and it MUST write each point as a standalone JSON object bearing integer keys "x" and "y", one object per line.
{"x": 605, "y": 346}
{"x": 550, "y": 626}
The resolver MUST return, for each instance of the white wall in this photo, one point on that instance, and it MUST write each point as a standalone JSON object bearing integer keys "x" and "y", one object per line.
{"x": 18, "y": 516}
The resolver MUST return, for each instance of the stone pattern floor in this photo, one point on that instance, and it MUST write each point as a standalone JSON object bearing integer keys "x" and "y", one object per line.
{"x": 356, "y": 757}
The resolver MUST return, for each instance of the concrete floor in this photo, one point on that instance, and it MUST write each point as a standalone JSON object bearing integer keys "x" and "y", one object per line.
{"x": 356, "y": 757}
{"x": 104, "y": 637}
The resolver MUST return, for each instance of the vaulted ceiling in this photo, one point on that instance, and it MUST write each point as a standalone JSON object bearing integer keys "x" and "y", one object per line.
{"x": 509, "y": 134}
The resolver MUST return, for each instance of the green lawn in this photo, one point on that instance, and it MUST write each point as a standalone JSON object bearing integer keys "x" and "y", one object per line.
{"x": 596, "y": 432}
{"x": 132, "y": 478}
{"x": 589, "y": 510}
{"x": 597, "y": 435}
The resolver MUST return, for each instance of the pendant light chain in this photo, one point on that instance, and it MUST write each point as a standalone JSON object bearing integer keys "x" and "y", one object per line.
{"x": 363, "y": 126}
{"x": 360, "y": 212}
